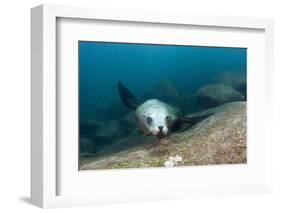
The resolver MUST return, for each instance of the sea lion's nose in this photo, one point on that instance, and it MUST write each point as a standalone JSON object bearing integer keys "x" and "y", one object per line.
{"x": 160, "y": 128}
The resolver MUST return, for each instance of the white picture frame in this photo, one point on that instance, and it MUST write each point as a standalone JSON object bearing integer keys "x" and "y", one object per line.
{"x": 44, "y": 148}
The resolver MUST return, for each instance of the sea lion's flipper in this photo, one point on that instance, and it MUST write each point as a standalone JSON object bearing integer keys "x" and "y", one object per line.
{"x": 194, "y": 120}
{"x": 128, "y": 99}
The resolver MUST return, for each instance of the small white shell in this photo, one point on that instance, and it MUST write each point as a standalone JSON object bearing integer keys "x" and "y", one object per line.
{"x": 178, "y": 158}
{"x": 173, "y": 161}
{"x": 169, "y": 164}
{"x": 171, "y": 158}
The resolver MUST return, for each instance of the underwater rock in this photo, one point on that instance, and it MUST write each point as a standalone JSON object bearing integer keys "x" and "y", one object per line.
{"x": 110, "y": 129}
{"x": 216, "y": 94}
{"x": 135, "y": 139}
{"x": 214, "y": 110}
{"x": 235, "y": 79}
{"x": 109, "y": 132}
{"x": 128, "y": 122}
{"x": 191, "y": 105}
{"x": 167, "y": 92}
{"x": 99, "y": 141}
{"x": 218, "y": 139}
{"x": 86, "y": 146}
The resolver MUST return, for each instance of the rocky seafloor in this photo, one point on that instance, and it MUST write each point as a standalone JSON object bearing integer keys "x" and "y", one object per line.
{"x": 220, "y": 138}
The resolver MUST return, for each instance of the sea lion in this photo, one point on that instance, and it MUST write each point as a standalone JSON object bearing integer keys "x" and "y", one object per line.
{"x": 154, "y": 117}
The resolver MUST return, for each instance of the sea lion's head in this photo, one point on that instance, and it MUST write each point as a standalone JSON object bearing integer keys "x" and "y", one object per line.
{"x": 155, "y": 117}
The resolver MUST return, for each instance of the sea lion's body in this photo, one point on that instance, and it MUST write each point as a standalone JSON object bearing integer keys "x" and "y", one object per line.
{"x": 154, "y": 117}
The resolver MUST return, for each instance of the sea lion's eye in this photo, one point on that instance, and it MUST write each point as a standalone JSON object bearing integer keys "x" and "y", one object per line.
{"x": 168, "y": 118}
{"x": 148, "y": 120}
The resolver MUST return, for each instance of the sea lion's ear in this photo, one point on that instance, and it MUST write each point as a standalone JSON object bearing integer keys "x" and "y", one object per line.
{"x": 194, "y": 120}
{"x": 128, "y": 99}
